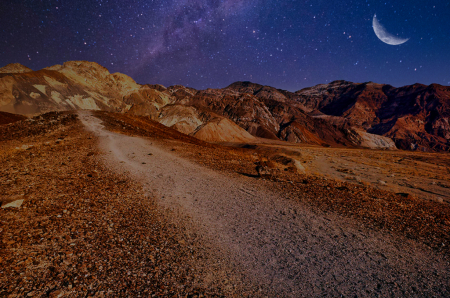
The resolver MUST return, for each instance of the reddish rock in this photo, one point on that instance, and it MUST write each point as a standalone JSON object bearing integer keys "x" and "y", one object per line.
{"x": 341, "y": 113}
{"x": 415, "y": 116}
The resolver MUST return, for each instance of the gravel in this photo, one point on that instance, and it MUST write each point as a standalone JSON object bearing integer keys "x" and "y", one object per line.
{"x": 280, "y": 244}
{"x": 83, "y": 230}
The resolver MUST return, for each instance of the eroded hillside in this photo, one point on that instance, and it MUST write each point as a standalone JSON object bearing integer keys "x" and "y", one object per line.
{"x": 339, "y": 114}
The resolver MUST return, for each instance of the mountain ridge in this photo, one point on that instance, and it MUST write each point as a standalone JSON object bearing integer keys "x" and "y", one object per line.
{"x": 340, "y": 113}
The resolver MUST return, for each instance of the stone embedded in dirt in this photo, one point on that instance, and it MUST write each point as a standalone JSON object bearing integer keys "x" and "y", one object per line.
{"x": 353, "y": 178}
{"x": 381, "y": 182}
{"x": 93, "y": 174}
{"x": 300, "y": 168}
{"x": 263, "y": 171}
{"x": 265, "y": 168}
{"x": 291, "y": 169}
{"x": 289, "y": 164}
{"x": 25, "y": 147}
{"x": 13, "y": 204}
{"x": 405, "y": 195}
{"x": 56, "y": 294}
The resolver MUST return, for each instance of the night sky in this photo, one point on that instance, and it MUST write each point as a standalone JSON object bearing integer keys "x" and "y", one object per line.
{"x": 211, "y": 43}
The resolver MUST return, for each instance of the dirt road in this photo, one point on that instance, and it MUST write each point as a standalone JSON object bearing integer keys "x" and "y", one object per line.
{"x": 283, "y": 246}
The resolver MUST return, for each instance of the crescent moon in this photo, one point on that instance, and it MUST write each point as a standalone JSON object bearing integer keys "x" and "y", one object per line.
{"x": 385, "y": 36}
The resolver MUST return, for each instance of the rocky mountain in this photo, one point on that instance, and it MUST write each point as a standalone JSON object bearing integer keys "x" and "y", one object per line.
{"x": 15, "y": 68}
{"x": 74, "y": 85}
{"x": 415, "y": 116}
{"x": 88, "y": 85}
{"x": 269, "y": 116}
{"x": 337, "y": 114}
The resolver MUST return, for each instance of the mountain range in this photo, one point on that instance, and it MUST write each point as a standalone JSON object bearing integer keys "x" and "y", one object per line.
{"x": 338, "y": 114}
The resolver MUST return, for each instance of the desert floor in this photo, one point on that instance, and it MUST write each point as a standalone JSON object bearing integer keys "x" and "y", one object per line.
{"x": 116, "y": 205}
{"x": 424, "y": 175}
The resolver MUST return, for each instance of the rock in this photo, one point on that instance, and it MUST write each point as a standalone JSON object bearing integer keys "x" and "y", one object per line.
{"x": 387, "y": 111}
{"x": 13, "y": 204}
{"x": 15, "y": 68}
{"x": 56, "y": 294}
{"x": 381, "y": 182}
{"x": 263, "y": 171}
{"x": 405, "y": 195}
{"x": 373, "y": 141}
{"x": 322, "y": 115}
{"x": 289, "y": 164}
{"x": 300, "y": 168}
{"x": 25, "y": 147}
{"x": 93, "y": 174}
{"x": 353, "y": 178}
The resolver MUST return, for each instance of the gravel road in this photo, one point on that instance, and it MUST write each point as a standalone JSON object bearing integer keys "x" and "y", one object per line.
{"x": 287, "y": 248}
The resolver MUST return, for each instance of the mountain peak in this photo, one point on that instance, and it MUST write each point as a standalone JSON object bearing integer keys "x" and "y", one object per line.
{"x": 80, "y": 65}
{"x": 87, "y": 65}
{"x": 15, "y": 68}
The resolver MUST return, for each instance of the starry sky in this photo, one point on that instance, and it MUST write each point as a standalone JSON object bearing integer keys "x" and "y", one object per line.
{"x": 288, "y": 44}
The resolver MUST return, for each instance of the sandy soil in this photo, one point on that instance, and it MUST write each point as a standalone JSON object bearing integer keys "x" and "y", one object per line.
{"x": 285, "y": 247}
{"x": 424, "y": 175}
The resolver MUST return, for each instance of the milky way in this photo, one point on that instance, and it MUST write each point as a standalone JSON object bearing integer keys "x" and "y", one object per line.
{"x": 190, "y": 30}
{"x": 288, "y": 44}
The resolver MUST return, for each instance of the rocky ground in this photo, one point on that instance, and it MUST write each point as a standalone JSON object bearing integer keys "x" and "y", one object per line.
{"x": 426, "y": 221}
{"x": 84, "y": 230}
{"x": 279, "y": 237}
{"x": 423, "y": 175}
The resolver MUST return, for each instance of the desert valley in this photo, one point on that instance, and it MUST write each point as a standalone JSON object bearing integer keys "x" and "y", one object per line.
{"x": 112, "y": 188}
